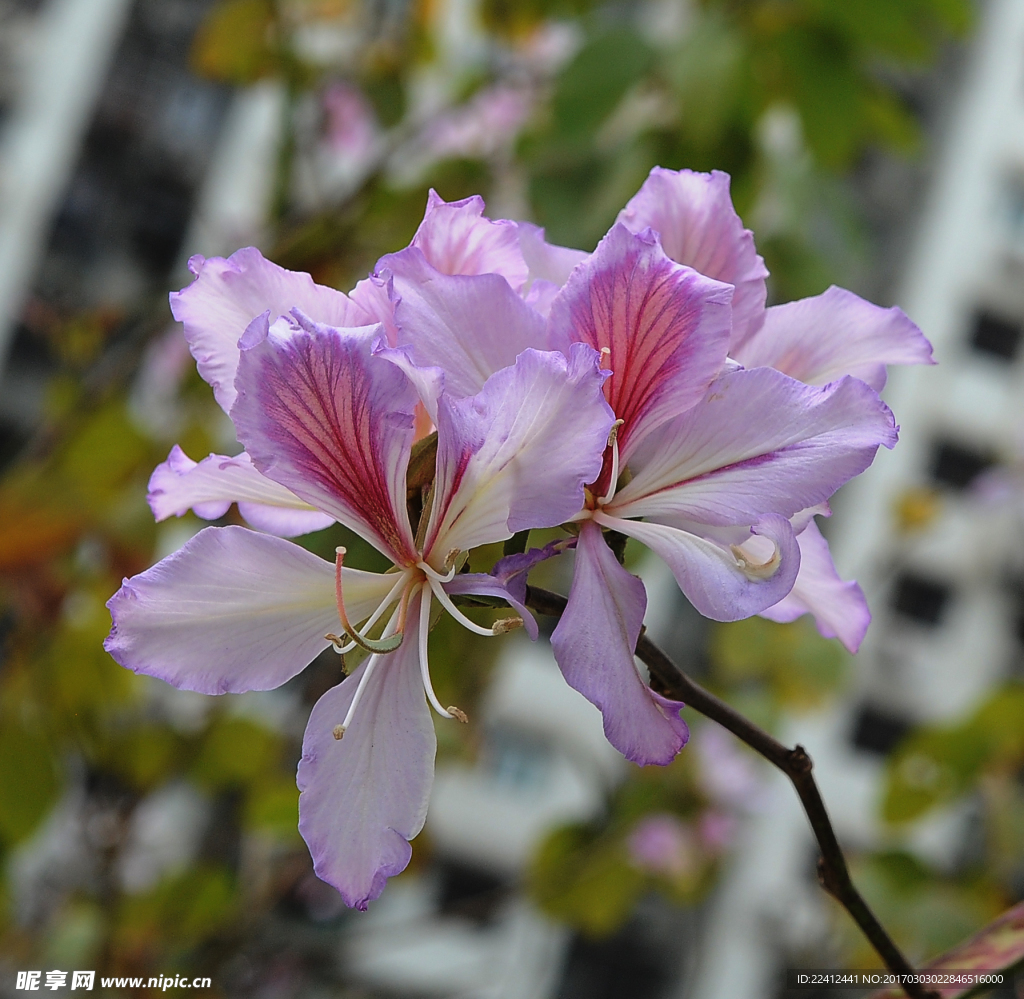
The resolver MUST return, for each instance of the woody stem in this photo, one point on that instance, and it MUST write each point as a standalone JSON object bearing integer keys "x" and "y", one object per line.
{"x": 670, "y": 681}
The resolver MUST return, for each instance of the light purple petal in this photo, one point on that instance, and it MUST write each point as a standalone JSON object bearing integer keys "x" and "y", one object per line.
{"x": 547, "y": 261}
{"x": 518, "y": 454}
{"x": 227, "y": 295}
{"x": 457, "y": 238}
{"x": 482, "y": 584}
{"x": 233, "y": 610}
{"x": 365, "y": 796}
{"x": 428, "y": 382}
{"x": 666, "y": 326}
{"x": 210, "y": 486}
{"x": 322, "y": 416}
{"x": 594, "y": 644}
{"x": 699, "y": 227}
{"x": 721, "y": 583}
{"x": 508, "y": 579}
{"x": 820, "y": 339}
{"x": 839, "y": 608}
{"x": 469, "y": 326}
{"x": 760, "y": 442}
{"x": 377, "y": 297}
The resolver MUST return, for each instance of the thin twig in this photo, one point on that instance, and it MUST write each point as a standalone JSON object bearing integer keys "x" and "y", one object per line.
{"x": 670, "y": 681}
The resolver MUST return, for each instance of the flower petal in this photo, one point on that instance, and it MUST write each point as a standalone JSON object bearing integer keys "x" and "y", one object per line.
{"x": 667, "y": 328}
{"x": 820, "y": 339}
{"x": 227, "y": 295}
{"x": 322, "y": 416}
{"x": 518, "y": 454}
{"x": 233, "y": 610}
{"x": 457, "y": 238}
{"x": 713, "y": 579}
{"x": 365, "y": 796}
{"x": 699, "y": 227}
{"x": 470, "y": 326}
{"x": 547, "y": 261}
{"x": 760, "y": 442}
{"x": 839, "y": 608}
{"x": 594, "y": 644}
{"x": 210, "y": 486}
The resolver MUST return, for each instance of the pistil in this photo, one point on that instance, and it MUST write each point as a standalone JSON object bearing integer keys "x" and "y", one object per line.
{"x": 358, "y": 638}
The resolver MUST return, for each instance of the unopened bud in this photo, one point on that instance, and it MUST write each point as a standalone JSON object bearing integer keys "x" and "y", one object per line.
{"x": 458, "y": 713}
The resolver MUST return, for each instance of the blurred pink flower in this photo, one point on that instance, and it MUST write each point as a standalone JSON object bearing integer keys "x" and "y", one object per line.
{"x": 350, "y": 125}
{"x": 663, "y": 844}
{"x": 483, "y": 126}
{"x": 728, "y": 775}
{"x": 717, "y": 830}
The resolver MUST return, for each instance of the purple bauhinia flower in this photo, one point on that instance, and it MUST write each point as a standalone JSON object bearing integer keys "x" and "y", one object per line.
{"x": 326, "y": 415}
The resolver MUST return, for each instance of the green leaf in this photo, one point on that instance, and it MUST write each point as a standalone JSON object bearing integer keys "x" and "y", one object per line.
{"x": 29, "y": 781}
{"x": 235, "y": 43}
{"x": 236, "y": 751}
{"x": 799, "y": 666}
{"x": 585, "y": 880}
{"x": 706, "y": 76}
{"x": 591, "y": 86}
{"x": 938, "y": 763}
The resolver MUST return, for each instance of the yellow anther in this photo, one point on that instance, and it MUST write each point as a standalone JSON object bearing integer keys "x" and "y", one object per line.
{"x": 506, "y": 624}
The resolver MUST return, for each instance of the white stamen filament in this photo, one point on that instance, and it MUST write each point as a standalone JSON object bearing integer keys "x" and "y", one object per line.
{"x": 446, "y": 603}
{"x": 393, "y": 593}
{"x": 371, "y": 665}
{"x": 424, "y": 668}
{"x": 433, "y": 574}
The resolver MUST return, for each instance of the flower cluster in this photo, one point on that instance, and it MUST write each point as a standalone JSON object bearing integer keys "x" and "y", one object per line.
{"x": 483, "y": 382}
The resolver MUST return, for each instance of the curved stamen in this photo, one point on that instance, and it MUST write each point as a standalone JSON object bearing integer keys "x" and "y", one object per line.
{"x": 344, "y": 649}
{"x": 371, "y": 665}
{"x": 432, "y": 573}
{"x": 446, "y": 603}
{"x": 428, "y": 687}
{"x": 385, "y": 644}
{"x": 613, "y": 440}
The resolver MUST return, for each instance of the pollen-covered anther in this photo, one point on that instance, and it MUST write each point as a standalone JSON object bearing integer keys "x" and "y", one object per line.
{"x": 458, "y": 713}
{"x": 449, "y": 559}
{"x": 338, "y": 731}
{"x": 613, "y": 434}
{"x": 506, "y": 624}
{"x": 754, "y": 569}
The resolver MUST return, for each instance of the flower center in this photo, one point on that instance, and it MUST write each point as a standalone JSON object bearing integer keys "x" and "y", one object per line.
{"x": 415, "y": 582}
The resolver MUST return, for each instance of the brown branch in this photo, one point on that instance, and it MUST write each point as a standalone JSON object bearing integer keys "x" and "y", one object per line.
{"x": 669, "y": 680}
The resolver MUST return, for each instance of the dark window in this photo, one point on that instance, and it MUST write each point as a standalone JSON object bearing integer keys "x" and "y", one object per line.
{"x": 920, "y": 599}
{"x": 469, "y": 891}
{"x": 958, "y": 465}
{"x": 878, "y": 731}
{"x": 622, "y": 966}
{"x": 996, "y": 335}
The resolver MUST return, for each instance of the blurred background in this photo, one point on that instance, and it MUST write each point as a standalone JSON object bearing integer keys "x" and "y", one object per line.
{"x": 873, "y": 144}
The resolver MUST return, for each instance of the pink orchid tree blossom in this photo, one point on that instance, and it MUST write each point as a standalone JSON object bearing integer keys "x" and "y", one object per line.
{"x": 642, "y": 390}
{"x": 325, "y": 415}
